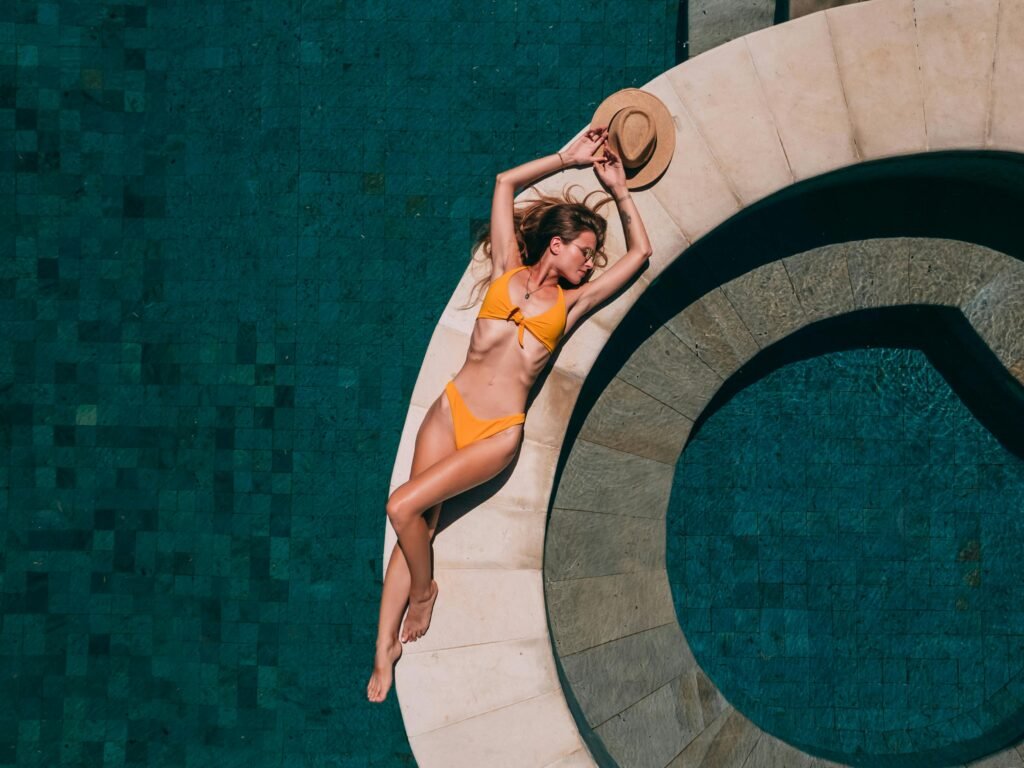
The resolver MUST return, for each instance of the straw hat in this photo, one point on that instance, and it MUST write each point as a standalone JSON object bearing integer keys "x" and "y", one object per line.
{"x": 641, "y": 133}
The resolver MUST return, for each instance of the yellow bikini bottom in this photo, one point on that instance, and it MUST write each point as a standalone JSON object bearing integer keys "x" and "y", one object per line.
{"x": 468, "y": 428}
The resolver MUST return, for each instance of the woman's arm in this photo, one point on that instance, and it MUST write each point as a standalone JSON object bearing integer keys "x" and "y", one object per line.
{"x": 638, "y": 246}
{"x": 504, "y": 250}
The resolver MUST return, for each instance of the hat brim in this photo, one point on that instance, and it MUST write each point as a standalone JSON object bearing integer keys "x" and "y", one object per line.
{"x": 664, "y": 126}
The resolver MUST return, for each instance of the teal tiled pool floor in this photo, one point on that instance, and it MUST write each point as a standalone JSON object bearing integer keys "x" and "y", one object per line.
{"x": 227, "y": 231}
{"x": 844, "y": 540}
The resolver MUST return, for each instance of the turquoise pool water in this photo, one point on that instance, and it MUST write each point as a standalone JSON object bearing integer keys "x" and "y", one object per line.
{"x": 844, "y": 540}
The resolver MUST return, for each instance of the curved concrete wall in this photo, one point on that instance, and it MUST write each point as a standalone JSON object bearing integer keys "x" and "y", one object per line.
{"x": 850, "y": 85}
{"x": 609, "y": 604}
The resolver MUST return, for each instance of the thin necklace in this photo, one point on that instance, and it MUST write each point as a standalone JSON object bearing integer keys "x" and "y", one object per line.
{"x": 527, "y": 294}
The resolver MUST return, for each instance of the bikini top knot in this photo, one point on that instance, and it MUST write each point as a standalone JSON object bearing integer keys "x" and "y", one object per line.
{"x": 547, "y": 327}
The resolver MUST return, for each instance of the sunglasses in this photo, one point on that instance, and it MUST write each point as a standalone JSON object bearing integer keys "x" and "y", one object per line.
{"x": 589, "y": 254}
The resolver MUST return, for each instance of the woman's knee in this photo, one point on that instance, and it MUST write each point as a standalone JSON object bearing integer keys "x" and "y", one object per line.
{"x": 399, "y": 512}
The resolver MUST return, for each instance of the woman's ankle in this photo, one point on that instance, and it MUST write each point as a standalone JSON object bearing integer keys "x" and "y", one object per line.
{"x": 421, "y": 596}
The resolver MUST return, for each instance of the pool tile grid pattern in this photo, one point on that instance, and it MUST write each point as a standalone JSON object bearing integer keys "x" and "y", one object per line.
{"x": 227, "y": 231}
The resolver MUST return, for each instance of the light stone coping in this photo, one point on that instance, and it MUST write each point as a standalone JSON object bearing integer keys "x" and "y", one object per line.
{"x": 1007, "y": 102}
{"x": 535, "y": 731}
{"x": 798, "y": 8}
{"x": 495, "y": 535}
{"x": 749, "y": 122}
{"x": 694, "y": 191}
{"x": 481, "y": 606}
{"x": 511, "y": 677}
{"x": 578, "y": 759}
{"x": 638, "y": 687}
{"x": 956, "y": 73}
{"x": 446, "y": 353}
{"x": 455, "y": 315}
{"x": 403, "y": 459}
{"x": 723, "y": 95}
{"x": 579, "y": 351}
{"x": 876, "y": 47}
{"x": 798, "y": 71}
{"x": 557, "y": 396}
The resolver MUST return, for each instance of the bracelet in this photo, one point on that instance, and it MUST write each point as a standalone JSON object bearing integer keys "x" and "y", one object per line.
{"x": 560, "y": 159}
{"x": 626, "y": 196}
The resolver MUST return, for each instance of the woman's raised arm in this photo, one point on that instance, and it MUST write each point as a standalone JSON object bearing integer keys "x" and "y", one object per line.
{"x": 638, "y": 245}
{"x": 504, "y": 250}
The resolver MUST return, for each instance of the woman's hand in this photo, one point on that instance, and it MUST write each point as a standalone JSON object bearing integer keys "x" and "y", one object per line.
{"x": 583, "y": 150}
{"x": 610, "y": 172}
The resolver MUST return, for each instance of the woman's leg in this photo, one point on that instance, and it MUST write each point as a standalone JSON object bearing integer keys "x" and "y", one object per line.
{"x": 394, "y": 599}
{"x": 458, "y": 472}
{"x": 395, "y": 594}
{"x": 434, "y": 441}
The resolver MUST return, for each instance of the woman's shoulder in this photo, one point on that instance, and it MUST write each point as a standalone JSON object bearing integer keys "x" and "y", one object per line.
{"x": 498, "y": 272}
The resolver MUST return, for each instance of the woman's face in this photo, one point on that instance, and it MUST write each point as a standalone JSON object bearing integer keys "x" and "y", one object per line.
{"x": 575, "y": 257}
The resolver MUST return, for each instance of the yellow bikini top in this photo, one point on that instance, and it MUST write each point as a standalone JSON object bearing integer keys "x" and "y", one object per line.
{"x": 547, "y": 327}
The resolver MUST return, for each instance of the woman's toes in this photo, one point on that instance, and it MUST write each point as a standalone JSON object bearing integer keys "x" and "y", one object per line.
{"x": 417, "y": 618}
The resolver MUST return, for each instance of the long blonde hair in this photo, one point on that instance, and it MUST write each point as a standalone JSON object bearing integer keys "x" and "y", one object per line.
{"x": 538, "y": 220}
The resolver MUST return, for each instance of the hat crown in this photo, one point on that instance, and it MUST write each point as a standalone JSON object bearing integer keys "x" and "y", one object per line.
{"x": 634, "y": 133}
{"x": 641, "y": 132}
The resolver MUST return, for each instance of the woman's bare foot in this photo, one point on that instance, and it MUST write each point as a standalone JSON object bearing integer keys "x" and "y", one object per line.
{"x": 383, "y": 669}
{"x": 418, "y": 617}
